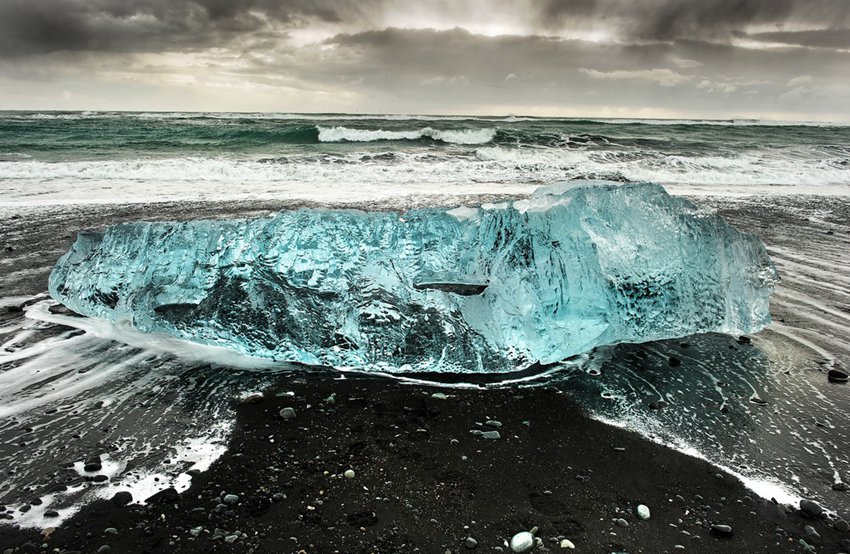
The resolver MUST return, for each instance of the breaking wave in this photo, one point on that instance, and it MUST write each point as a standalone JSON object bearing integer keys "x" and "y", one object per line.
{"x": 454, "y": 136}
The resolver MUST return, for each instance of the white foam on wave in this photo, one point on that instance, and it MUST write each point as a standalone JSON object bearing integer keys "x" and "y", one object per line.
{"x": 765, "y": 487}
{"x": 363, "y": 176}
{"x": 743, "y": 169}
{"x": 455, "y": 136}
{"x": 127, "y": 334}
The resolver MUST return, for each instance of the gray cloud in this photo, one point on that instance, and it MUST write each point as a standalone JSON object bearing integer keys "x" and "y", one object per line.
{"x": 822, "y": 38}
{"x": 670, "y": 19}
{"x": 35, "y": 27}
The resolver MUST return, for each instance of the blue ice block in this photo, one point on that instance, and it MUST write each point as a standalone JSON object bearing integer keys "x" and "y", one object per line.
{"x": 493, "y": 288}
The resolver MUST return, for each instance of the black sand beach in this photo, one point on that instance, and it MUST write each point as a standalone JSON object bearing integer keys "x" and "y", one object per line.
{"x": 422, "y": 481}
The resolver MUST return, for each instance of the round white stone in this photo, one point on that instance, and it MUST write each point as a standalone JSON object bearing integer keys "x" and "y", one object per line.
{"x": 349, "y": 474}
{"x": 567, "y": 543}
{"x": 522, "y": 541}
{"x": 643, "y": 512}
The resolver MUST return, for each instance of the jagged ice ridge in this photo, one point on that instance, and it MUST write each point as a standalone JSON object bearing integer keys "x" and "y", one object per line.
{"x": 494, "y": 288}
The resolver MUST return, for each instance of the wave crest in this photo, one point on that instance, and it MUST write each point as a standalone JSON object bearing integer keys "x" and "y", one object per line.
{"x": 454, "y": 136}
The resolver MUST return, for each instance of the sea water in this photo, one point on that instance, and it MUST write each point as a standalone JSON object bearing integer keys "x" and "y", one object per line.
{"x": 97, "y": 157}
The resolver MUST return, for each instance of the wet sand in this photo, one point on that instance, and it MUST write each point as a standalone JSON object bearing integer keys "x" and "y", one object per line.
{"x": 423, "y": 481}
{"x": 760, "y": 407}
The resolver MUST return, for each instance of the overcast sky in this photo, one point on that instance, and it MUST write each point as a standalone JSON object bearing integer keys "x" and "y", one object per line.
{"x": 778, "y": 59}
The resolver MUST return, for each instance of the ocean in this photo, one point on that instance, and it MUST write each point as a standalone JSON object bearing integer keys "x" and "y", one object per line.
{"x": 105, "y": 157}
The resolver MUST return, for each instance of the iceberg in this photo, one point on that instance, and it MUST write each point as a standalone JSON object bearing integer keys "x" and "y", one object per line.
{"x": 493, "y": 288}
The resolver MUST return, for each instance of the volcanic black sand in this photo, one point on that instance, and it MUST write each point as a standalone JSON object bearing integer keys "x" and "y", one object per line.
{"x": 423, "y": 482}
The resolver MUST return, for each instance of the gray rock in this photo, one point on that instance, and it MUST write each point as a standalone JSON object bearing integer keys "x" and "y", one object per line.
{"x": 810, "y": 508}
{"x": 331, "y": 400}
{"x": 230, "y": 538}
{"x": 230, "y": 499}
{"x": 811, "y": 531}
{"x": 493, "y": 423}
{"x": 841, "y": 525}
{"x": 470, "y": 543}
{"x": 252, "y": 398}
{"x": 287, "y": 413}
{"x": 492, "y": 435}
{"x": 110, "y": 531}
{"x": 104, "y": 548}
{"x": 196, "y": 531}
{"x": 621, "y": 522}
{"x": 643, "y": 512}
{"x": 721, "y": 530}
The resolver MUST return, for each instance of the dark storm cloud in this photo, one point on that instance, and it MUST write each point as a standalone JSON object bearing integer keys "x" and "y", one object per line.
{"x": 670, "y": 19}
{"x": 43, "y": 26}
{"x": 625, "y": 57}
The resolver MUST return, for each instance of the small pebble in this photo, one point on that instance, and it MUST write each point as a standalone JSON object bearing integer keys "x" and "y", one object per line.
{"x": 721, "y": 530}
{"x": 230, "y": 499}
{"x": 470, "y": 543}
{"x": 643, "y": 512}
{"x": 287, "y": 413}
{"x": 621, "y": 522}
{"x": 492, "y": 435}
{"x": 349, "y": 474}
{"x": 567, "y": 543}
{"x": 837, "y": 376}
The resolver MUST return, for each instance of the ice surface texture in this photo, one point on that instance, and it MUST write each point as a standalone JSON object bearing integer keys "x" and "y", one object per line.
{"x": 488, "y": 289}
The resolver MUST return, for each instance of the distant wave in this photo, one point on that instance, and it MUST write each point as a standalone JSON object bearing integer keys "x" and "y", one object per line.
{"x": 458, "y": 136}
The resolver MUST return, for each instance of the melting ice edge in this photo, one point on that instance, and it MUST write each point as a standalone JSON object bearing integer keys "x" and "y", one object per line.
{"x": 495, "y": 288}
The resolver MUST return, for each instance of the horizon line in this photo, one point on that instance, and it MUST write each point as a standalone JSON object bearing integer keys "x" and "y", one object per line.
{"x": 445, "y": 115}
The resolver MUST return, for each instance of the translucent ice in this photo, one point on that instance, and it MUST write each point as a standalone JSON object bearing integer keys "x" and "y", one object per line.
{"x": 488, "y": 289}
